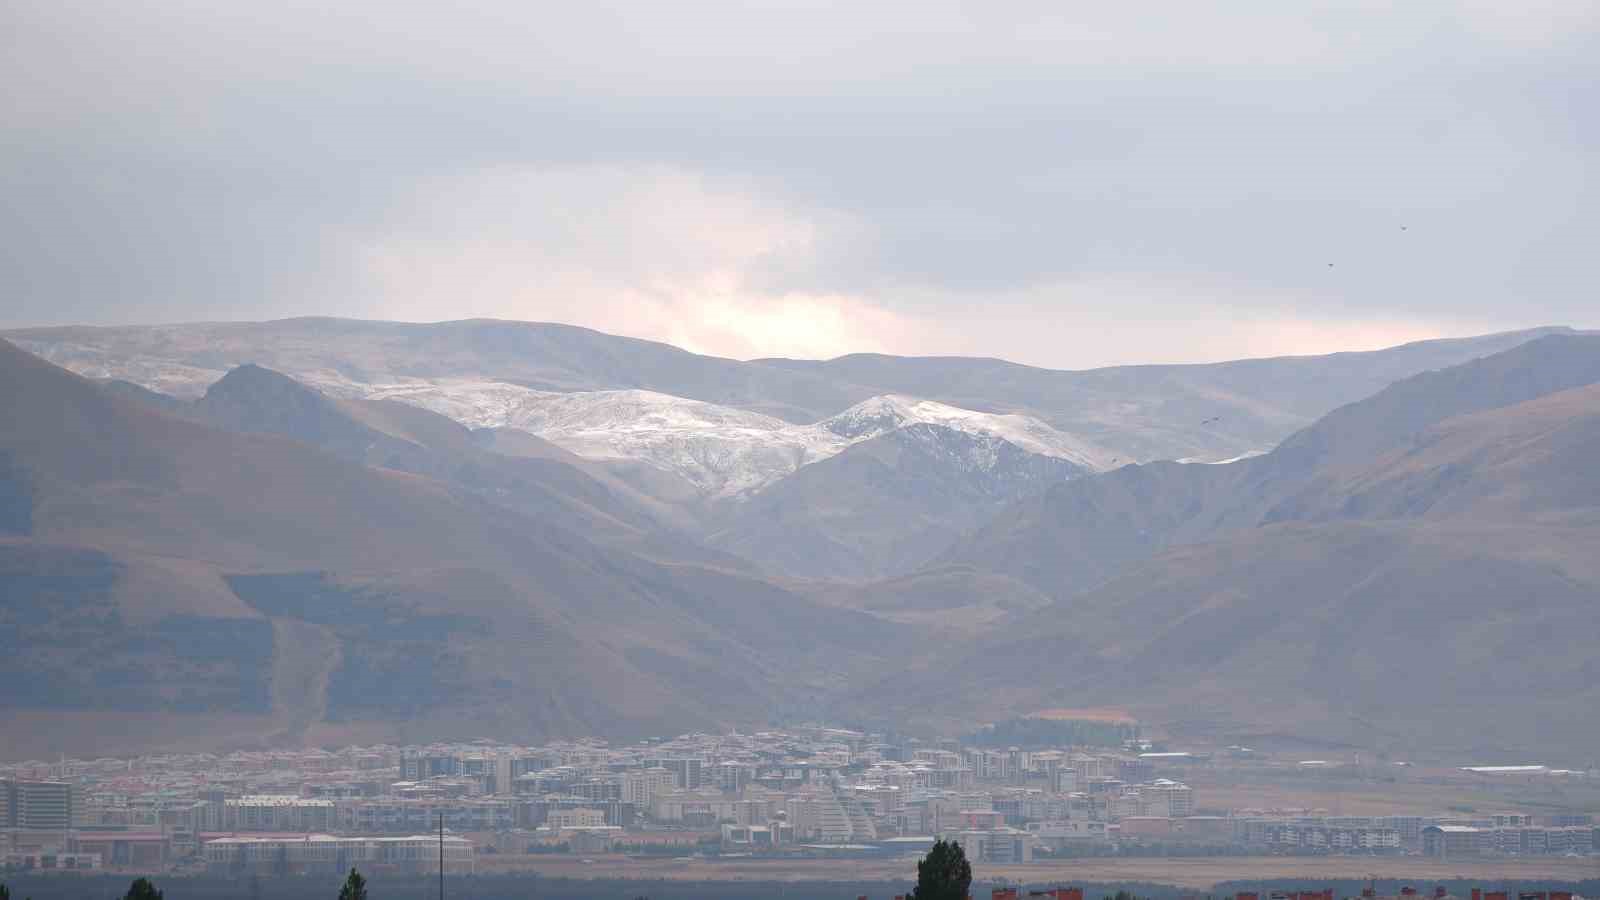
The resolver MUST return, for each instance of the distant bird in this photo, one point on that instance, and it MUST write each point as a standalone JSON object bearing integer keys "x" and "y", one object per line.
{"x": 1402, "y": 228}
{"x": 1330, "y": 265}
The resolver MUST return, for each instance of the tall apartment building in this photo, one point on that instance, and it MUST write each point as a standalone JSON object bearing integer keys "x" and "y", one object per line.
{"x": 641, "y": 786}
{"x": 44, "y": 805}
{"x": 1167, "y": 798}
{"x": 731, "y": 777}
{"x": 422, "y": 766}
{"x": 1066, "y": 780}
{"x": 686, "y": 771}
{"x": 598, "y": 790}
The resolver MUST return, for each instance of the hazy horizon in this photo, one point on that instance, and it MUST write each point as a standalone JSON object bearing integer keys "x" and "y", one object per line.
{"x": 1132, "y": 362}
{"x": 1064, "y": 188}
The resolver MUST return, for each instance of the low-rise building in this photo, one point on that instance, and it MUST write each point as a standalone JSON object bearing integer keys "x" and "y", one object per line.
{"x": 330, "y": 854}
{"x": 273, "y": 812}
{"x": 1454, "y": 840}
{"x": 1000, "y": 845}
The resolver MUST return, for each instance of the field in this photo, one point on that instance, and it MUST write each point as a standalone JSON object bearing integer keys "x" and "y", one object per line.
{"x": 1197, "y": 874}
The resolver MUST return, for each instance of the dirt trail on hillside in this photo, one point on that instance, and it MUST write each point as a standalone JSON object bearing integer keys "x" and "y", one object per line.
{"x": 304, "y": 657}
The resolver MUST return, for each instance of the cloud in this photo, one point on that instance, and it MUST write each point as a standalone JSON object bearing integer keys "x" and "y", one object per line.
{"x": 1059, "y": 183}
{"x": 710, "y": 265}
{"x": 645, "y": 251}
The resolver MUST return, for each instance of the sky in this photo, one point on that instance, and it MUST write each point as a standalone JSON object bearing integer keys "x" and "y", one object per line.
{"x": 1065, "y": 184}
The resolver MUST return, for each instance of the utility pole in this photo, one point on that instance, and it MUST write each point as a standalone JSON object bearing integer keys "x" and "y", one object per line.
{"x": 441, "y": 856}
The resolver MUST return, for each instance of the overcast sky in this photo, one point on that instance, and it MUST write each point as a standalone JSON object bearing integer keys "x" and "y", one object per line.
{"x": 1065, "y": 184}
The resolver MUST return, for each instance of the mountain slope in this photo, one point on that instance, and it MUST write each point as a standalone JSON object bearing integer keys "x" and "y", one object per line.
{"x": 886, "y": 505}
{"x": 1374, "y": 635}
{"x": 150, "y": 561}
{"x": 1075, "y": 535}
{"x": 1207, "y": 411}
{"x": 1385, "y": 601}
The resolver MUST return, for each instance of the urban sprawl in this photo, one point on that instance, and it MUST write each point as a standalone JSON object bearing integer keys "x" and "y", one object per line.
{"x": 799, "y": 792}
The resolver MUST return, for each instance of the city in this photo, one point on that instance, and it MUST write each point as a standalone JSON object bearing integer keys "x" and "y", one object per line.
{"x": 799, "y": 793}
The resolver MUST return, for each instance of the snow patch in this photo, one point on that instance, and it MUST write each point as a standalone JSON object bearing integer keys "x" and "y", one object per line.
{"x": 1197, "y": 461}
{"x": 723, "y": 450}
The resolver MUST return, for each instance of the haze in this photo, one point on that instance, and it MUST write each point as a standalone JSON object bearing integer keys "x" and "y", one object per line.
{"x": 1061, "y": 185}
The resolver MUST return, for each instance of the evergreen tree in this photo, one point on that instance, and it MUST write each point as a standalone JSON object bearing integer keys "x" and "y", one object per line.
{"x": 142, "y": 889}
{"x": 355, "y": 887}
{"x": 5, "y": 892}
{"x": 944, "y": 874}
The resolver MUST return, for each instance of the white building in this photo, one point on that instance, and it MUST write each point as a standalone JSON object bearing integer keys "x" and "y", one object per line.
{"x": 330, "y": 854}
{"x": 277, "y": 812}
{"x": 1000, "y": 845}
{"x": 577, "y": 817}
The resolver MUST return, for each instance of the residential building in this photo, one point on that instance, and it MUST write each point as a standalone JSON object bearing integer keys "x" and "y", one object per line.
{"x": 1001, "y": 845}
{"x": 1454, "y": 840}
{"x": 268, "y": 812}
{"x": 327, "y": 854}
{"x": 41, "y": 805}
{"x": 640, "y": 787}
{"x": 579, "y": 817}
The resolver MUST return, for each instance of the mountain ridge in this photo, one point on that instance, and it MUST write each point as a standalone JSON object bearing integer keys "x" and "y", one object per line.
{"x": 1136, "y": 413}
{"x": 1335, "y": 602}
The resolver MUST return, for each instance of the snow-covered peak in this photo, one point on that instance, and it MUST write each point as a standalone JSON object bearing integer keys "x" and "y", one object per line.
{"x": 723, "y": 450}
{"x": 889, "y": 412}
{"x": 872, "y": 417}
{"x": 720, "y": 449}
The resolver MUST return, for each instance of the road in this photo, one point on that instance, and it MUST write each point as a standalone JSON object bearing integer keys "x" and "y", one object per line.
{"x": 1197, "y": 873}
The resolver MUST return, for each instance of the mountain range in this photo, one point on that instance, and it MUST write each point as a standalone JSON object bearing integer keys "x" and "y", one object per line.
{"x": 1407, "y": 573}
{"x": 312, "y": 530}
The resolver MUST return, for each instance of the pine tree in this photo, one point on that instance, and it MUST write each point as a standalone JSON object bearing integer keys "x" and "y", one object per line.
{"x": 5, "y": 892}
{"x": 944, "y": 874}
{"x": 355, "y": 887}
{"x": 142, "y": 889}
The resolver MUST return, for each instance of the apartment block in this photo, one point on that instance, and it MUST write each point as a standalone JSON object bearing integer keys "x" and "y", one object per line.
{"x": 41, "y": 805}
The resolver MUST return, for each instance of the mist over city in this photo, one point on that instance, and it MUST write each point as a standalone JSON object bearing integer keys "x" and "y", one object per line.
{"x": 874, "y": 451}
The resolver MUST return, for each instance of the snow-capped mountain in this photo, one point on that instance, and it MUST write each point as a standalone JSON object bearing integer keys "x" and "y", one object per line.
{"x": 891, "y": 412}
{"x": 722, "y": 450}
{"x": 719, "y": 449}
